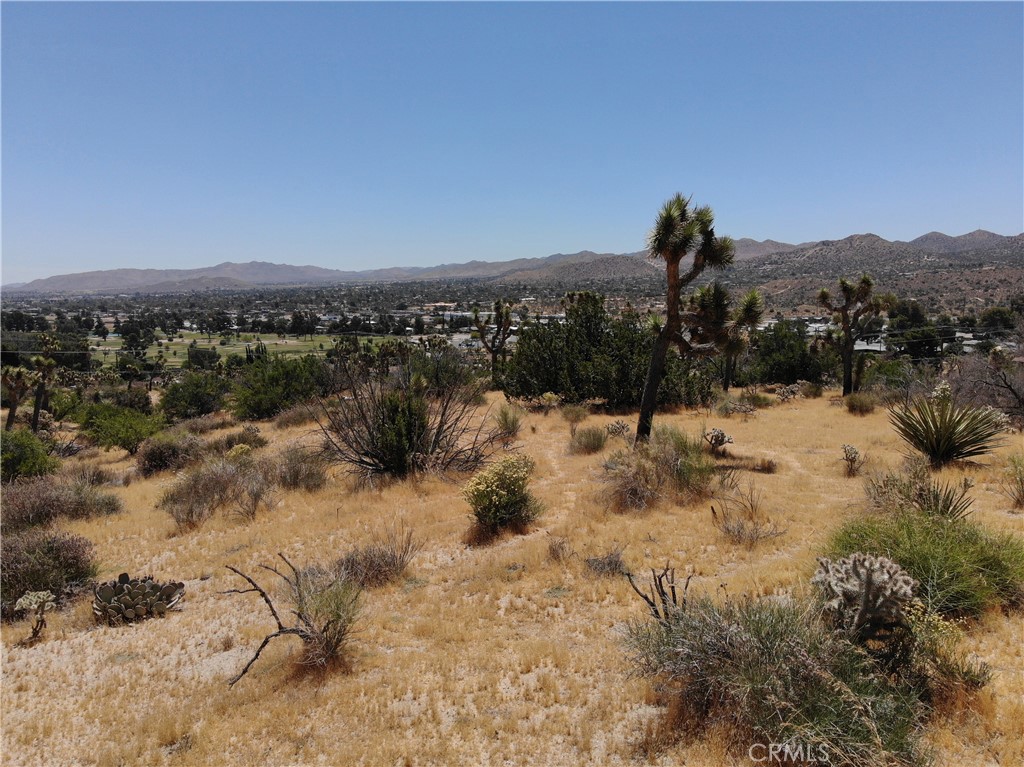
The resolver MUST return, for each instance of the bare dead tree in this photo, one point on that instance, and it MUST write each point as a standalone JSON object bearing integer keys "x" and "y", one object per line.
{"x": 663, "y": 600}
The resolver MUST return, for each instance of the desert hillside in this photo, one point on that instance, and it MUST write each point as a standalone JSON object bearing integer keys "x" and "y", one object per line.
{"x": 486, "y": 655}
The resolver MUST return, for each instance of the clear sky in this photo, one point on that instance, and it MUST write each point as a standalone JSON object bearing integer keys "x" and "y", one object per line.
{"x": 363, "y": 135}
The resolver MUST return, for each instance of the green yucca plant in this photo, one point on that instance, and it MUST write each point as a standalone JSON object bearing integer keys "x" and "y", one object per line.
{"x": 944, "y": 432}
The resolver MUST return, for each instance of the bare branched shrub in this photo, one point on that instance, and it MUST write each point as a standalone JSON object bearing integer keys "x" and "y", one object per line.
{"x": 741, "y": 519}
{"x": 31, "y": 502}
{"x": 325, "y": 608}
{"x": 384, "y": 560}
{"x": 609, "y": 563}
{"x": 395, "y": 423}
{"x": 560, "y": 549}
{"x": 255, "y": 487}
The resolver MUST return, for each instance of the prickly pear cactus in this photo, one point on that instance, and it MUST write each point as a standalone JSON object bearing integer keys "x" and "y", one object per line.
{"x": 133, "y": 599}
{"x": 864, "y": 594}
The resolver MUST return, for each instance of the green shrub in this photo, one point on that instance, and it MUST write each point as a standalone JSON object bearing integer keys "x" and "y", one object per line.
{"x": 169, "y": 451}
{"x": 943, "y": 432}
{"x": 113, "y": 426}
{"x": 23, "y": 454}
{"x": 574, "y": 415}
{"x": 859, "y": 403}
{"x": 770, "y": 672}
{"x": 962, "y": 568}
{"x": 40, "y": 560}
{"x": 508, "y": 420}
{"x": 588, "y": 440}
{"x": 500, "y": 498}
{"x": 301, "y": 469}
{"x": 273, "y": 384}
{"x": 760, "y": 401}
{"x": 249, "y": 435}
{"x": 33, "y": 502}
{"x": 196, "y": 394}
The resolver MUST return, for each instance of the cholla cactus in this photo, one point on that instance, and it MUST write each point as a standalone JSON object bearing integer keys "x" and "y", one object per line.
{"x": 717, "y": 440}
{"x": 864, "y": 594}
{"x": 853, "y": 459}
{"x": 786, "y": 393}
{"x": 617, "y": 429}
{"x": 38, "y": 602}
{"x": 549, "y": 400}
{"x": 942, "y": 393}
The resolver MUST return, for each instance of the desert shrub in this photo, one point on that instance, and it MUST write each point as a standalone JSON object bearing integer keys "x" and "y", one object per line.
{"x": 859, "y": 403}
{"x": 384, "y": 560}
{"x": 574, "y": 415}
{"x": 811, "y": 390}
{"x": 325, "y": 608}
{"x": 741, "y": 519}
{"x": 508, "y": 420}
{"x": 41, "y": 560}
{"x": 32, "y": 502}
{"x": 255, "y": 484}
{"x": 87, "y": 474}
{"x": 132, "y": 399}
{"x": 1012, "y": 485}
{"x": 755, "y": 399}
{"x": 716, "y": 440}
{"x": 169, "y": 451}
{"x": 298, "y": 415}
{"x": 770, "y": 672}
{"x": 671, "y": 463}
{"x": 943, "y": 432}
{"x": 23, "y": 454}
{"x": 195, "y": 394}
{"x": 766, "y": 466}
{"x": 499, "y": 496}
{"x": 301, "y": 469}
{"x": 206, "y": 423}
{"x": 560, "y": 549}
{"x": 962, "y": 568}
{"x": 196, "y": 494}
{"x": 588, "y": 440}
{"x": 394, "y": 423}
{"x": 126, "y": 428}
{"x": 249, "y": 435}
{"x": 609, "y": 563}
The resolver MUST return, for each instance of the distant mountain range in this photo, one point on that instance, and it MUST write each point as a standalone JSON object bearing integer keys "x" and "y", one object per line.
{"x": 765, "y": 260}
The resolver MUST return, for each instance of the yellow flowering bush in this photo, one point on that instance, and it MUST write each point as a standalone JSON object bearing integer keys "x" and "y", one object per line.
{"x": 499, "y": 496}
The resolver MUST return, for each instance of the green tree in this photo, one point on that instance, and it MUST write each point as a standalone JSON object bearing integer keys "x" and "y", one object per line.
{"x": 126, "y": 428}
{"x": 194, "y": 395}
{"x": 727, "y": 326}
{"x": 679, "y": 232}
{"x": 270, "y": 385}
{"x": 852, "y": 317}
{"x": 22, "y": 454}
{"x": 782, "y": 354}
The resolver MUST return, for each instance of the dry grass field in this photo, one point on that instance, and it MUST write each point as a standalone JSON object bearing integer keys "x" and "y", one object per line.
{"x": 495, "y": 655}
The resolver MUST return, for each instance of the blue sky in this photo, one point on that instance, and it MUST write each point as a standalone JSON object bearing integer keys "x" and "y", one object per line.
{"x": 363, "y": 135}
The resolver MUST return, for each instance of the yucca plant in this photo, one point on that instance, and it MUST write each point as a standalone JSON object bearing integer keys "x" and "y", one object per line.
{"x": 944, "y": 432}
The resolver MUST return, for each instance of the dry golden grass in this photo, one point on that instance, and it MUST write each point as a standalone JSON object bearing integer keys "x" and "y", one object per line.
{"x": 485, "y": 655}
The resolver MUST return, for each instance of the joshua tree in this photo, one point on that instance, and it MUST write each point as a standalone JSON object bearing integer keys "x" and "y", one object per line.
{"x": 853, "y": 318}
{"x": 496, "y": 343}
{"x": 17, "y": 382}
{"x": 725, "y": 326}
{"x": 680, "y": 231}
{"x": 45, "y": 368}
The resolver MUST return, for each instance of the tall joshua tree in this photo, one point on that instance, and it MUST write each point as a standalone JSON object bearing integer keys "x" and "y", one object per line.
{"x": 45, "y": 369}
{"x": 680, "y": 232}
{"x": 852, "y": 317}
{"x": 495, "y": 341}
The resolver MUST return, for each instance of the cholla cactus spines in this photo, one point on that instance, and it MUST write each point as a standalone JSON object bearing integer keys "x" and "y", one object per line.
{"x": 717, "y": 440}
{"x": 617, "y": 429}
{"x": 853, "y": 459}
{"x": 132, "y": 599}
{"x": 942, "y": 393}
{"x": 38, "y": 603}
{"x": 786, "y": 393}
{"x": 865, "y": 594}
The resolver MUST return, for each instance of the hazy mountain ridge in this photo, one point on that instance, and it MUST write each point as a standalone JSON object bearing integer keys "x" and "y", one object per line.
{"x": 766, "y": 260}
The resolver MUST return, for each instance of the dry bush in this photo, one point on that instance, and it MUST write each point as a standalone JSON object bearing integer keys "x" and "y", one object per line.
{"x": 384, "y": 560}
{"x": 88, "y": 474}
{"x": 249, "y": 436}
{"x": 860, "y": 403}
{"x": 40, "y": 560}
{"x": 853, "y": 460}
{"x": 168, "y": 451}
{"x": 196, "y": 494}
{"x": 39, "y": 501}
{"x": 742, "y": 520}
{"x": 609, "y": 563}
{"x": 207, "y": 423}
{"x": 508, "y": 420}
{"x": 1012, "y": 485}
{"x": 302, "y": 469}
{"x": 766, "y": 466}
{"x": 297, "y": 415}
{"x": 255, "y": 485}
{"x": 671, "y": 463}
{"x": 588, "y": 440}
{"x": 560, "y": 549}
